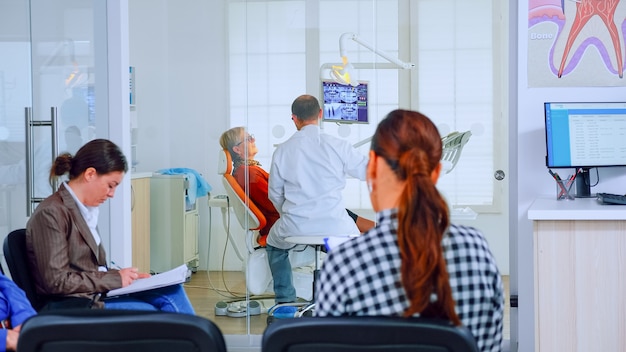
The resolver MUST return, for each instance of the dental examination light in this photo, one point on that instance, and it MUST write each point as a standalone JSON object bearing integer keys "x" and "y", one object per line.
{"x": 344, "y": 73}
{"x": 65, "y": 48}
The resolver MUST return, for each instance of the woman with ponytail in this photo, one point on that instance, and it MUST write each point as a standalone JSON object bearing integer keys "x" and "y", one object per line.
{"x": 414, "y": 262}
{"x": 66, "y": 254}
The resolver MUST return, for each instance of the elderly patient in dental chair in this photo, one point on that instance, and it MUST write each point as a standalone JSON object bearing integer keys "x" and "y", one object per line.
{"x": 243, "y": 149}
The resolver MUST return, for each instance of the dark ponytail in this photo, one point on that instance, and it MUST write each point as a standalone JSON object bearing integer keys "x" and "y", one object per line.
{"x": 101, "y": 154}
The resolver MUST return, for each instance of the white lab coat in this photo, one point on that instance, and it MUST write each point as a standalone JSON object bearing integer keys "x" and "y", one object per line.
{"x": 307, "y": 177}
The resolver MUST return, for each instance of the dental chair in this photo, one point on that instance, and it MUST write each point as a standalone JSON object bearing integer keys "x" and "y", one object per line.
{"x": 247, "y": 213}
{"x": 258, "y": 275}
{"x": 453, "y": 144}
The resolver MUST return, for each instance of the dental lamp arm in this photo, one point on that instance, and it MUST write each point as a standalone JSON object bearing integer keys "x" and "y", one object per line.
{"x": 352, "y": 36}
{"x": 362, "y": 142}
{"x": 360, "y": 66}
{"x": 344, "y": 73}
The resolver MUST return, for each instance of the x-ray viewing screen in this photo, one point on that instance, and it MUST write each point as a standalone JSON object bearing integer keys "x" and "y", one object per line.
{"x": 344, "y": 103}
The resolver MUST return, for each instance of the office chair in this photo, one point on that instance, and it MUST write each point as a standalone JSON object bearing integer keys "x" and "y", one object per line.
{"x": 14, "y": 249}
{"x": 453, "y": 144}
{"x": 366, "y": 333}
{"x": 100, "y": 330}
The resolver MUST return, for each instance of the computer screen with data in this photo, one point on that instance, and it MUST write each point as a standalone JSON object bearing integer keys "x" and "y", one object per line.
{"x": 345, "y": 103}
{"x": 585, "y": 135}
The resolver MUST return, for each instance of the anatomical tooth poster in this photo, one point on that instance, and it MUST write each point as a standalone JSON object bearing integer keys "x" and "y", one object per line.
{"x": 576, "y": 43}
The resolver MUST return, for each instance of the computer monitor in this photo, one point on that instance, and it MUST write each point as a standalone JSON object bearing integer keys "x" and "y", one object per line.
{"x": 345, "y": 103}
{"x": 584, "y": 136}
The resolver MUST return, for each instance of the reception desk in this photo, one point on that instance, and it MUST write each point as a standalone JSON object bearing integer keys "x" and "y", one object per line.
{"x": 579, "y": 250}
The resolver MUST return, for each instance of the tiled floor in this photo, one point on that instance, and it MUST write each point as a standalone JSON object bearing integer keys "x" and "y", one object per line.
{"x": 206, "y": 289}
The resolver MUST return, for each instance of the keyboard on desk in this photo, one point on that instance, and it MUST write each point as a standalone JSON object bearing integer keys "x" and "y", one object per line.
{"x": 608, "y": 198}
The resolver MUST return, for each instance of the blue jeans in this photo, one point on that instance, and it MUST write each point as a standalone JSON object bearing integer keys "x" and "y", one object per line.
{"x": 280, "y": 266}
{"x": 168, "y": 299}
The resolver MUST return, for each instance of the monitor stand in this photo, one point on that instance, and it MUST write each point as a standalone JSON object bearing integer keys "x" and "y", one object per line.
{"x": 583, "y": 184}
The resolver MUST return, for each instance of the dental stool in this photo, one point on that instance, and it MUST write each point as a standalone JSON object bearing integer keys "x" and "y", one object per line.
{"x": 301, "y": 309}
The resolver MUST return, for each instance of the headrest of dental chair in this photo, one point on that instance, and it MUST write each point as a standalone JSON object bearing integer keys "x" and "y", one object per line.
{"x": 224, "y": 163}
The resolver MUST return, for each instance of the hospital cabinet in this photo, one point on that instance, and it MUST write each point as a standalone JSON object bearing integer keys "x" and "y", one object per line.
{"x": 173, "y": 224}
{"x": 140, "y": 213}
{"x": 579, "y": 250}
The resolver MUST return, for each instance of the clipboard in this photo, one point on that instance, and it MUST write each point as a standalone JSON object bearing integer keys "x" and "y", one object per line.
{"x": 174, "y": 276}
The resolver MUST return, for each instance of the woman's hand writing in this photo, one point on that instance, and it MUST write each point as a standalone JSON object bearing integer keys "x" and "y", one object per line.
{"x": 131, "y": 274}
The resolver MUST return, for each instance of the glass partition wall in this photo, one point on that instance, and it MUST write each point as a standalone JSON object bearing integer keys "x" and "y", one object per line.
{"x": 223, "y": 64}
{"x": 53, "y": 84}
{"x": 279, "y": 50}
{"x": 282, "y": 49}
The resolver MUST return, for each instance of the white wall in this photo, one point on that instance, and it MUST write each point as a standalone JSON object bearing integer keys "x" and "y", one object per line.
{"x": 179, "y": 52}
{"x": 532, "y": 179}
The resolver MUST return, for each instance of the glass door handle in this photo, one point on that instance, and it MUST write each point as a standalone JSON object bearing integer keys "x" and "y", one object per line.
{"x": 30, "y": 153}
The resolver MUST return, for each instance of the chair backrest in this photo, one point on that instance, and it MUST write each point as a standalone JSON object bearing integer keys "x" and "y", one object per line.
{"x": 452, "y": 147}
{"x": 100, "y": 330}
{"x": 247, "y": 213}
{"x": 14, "y": 249}
{"x": 352, "y": 334}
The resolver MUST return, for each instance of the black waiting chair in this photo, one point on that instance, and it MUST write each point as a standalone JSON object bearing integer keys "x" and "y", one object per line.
{"x": 14, "y": 249}
{"x": 102, "y": 330}
{"x": 352, "y": 334}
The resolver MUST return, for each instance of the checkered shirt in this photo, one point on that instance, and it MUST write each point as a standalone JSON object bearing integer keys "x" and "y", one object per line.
{"x": 362, "y": 277}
